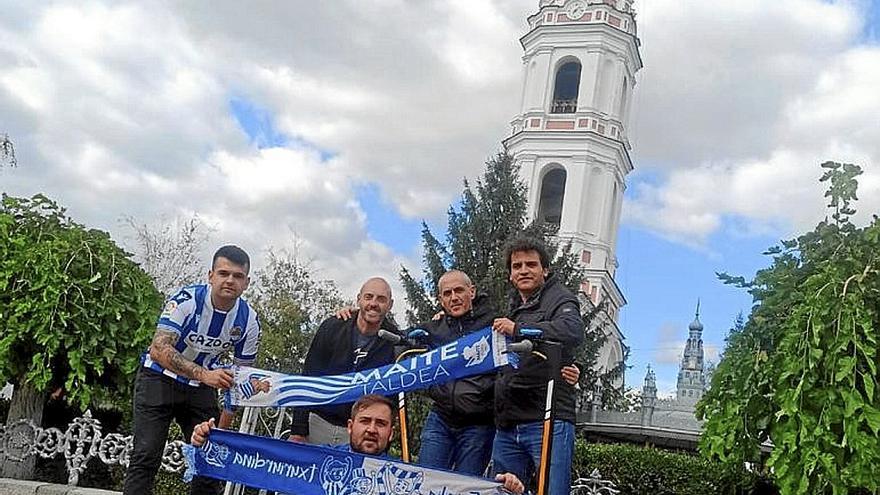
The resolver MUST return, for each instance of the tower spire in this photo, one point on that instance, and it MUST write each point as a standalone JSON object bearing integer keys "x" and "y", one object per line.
{"x": 691, "y": 374}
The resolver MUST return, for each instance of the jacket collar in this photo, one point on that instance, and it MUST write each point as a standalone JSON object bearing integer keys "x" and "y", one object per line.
{"x": 516, "y": 302}
{"x": 479, "y": 308}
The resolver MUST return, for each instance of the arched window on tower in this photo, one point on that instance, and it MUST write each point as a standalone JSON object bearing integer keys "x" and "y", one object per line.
{"x": 565, "y": 91}
{"x": 552, "y": 193}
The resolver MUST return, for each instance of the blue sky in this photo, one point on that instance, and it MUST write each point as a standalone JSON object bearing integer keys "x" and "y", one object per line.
{"x": 872, "y": 26}
{"x": 661, "y": 279}
{"x": 334, "y": 128}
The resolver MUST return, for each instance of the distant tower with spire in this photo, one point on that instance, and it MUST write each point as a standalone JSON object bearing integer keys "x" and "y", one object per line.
{"x": 692, "y": 372}
{"x": 649, "y": 397}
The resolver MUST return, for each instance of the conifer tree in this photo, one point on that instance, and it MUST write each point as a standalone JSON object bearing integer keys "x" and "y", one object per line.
{"x": 489, "y": 214}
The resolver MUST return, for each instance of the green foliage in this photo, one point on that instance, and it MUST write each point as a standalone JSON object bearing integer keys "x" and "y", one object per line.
{"x": 170, "y": 483}
{"x": 487, "y": 217}
{"x": 647, "y": 470}
{"x": 291, "y": 305}
{"x": 802, "y": 370}
{"x": 76, "y": 311}
{"x": 490, "y": 214}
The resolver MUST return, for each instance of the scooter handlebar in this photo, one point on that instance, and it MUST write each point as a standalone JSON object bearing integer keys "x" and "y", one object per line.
{"x": 389, "y": 336}
{"x": 523, "y": 346}
{"x": 415, "y": 337}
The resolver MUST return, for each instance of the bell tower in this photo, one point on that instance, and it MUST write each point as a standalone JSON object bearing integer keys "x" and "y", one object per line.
{"x": 570, "y": 137}
{"x": 691, "y": 383}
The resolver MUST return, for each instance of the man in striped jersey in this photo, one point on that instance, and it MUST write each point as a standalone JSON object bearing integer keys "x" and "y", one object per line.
{"x": 181, "y": 372}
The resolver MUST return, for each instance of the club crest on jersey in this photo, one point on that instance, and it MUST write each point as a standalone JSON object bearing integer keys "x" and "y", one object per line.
{"x": 235, "y": 333}
{"x": 169, "y": 308}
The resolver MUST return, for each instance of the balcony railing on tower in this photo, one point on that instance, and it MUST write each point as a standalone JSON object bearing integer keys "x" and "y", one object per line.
{"x": 564, "y": 106}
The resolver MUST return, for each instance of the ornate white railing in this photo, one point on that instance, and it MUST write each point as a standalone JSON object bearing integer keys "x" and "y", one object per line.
{"x": 82, "y": 441}
{"x": 593, "y": 485}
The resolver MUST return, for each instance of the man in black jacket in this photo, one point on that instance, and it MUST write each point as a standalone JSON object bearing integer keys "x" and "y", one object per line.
{"x": 459, "y": 429}
{"x": 539, "y": 302}
{"x": 339, "y": 347}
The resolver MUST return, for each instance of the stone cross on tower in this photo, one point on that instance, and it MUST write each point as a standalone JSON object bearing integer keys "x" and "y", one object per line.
{"x": 570, "y": 138}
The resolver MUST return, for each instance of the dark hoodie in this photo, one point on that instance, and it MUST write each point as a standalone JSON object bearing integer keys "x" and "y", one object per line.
{"x": 467, "y": 401}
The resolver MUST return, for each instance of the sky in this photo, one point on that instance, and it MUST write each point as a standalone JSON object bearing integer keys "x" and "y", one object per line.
{"x": 340, "y": 126}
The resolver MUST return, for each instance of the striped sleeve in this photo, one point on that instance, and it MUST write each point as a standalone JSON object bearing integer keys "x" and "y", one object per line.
{"x": 246, "y": 348}
{"x": 177, "y": 309}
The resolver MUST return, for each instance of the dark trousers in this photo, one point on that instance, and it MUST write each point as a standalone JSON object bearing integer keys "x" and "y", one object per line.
{"x": 157, "y": 400}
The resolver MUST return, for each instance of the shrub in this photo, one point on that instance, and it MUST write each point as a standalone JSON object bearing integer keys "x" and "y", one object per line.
{"x": 637, "y": 470}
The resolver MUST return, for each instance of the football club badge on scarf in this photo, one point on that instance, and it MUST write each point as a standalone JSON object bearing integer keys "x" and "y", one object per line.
{"x": 290, "y": 467}
{"x": 478, "y": 352}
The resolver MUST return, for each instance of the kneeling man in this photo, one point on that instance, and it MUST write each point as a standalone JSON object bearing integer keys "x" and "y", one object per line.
{"x": 370, "y": 429}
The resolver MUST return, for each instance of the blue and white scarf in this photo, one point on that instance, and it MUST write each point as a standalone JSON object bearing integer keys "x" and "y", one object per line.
{"x": 476, "y": 353}
{"x": 291, "y": 467}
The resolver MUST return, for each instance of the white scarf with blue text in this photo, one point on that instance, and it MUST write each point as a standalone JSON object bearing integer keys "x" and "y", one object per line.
{"x": 476, "y": 353}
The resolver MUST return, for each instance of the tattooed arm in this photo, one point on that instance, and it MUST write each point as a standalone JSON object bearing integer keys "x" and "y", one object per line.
{"x": 163, "y": 352}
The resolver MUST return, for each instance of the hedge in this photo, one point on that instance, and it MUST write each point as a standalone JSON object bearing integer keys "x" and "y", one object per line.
{"x": 637, "y": 470}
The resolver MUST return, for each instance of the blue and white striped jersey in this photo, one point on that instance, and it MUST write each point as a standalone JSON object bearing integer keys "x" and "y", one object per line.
{"x": 206, "y": 333}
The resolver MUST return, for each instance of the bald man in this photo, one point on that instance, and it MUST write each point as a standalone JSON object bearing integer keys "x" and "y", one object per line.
{"x": 460, "y": 428}
{"x": 343, "y": 346}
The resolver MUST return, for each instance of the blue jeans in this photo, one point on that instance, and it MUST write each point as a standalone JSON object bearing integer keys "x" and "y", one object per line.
{"x": 518, "y": 450}
{"x": 465, "y": 450}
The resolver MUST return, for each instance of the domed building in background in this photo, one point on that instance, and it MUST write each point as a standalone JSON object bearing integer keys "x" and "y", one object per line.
{"x": 668, "y": 422}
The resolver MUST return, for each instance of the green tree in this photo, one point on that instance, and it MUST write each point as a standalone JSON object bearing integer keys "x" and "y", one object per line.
{"x": 76, "y": 311}
{"x": 172, "y": 252}
{"x": 291, "y": 304}
{"x": 479, "y": 226}
{"x": 490, "y": 214}
{"x": 801, "y": 372}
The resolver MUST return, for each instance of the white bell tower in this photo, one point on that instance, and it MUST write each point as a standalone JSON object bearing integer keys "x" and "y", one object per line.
{"x": 570, "y": 138}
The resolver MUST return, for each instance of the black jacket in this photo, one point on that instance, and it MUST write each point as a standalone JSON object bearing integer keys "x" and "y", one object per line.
{"x": 521, "y": 394}
{"x": 466, "y": 401}
{"x": 332, "y": 353}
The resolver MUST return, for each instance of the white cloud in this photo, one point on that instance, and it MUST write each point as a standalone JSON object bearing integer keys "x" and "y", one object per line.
{"x": 670, "y": 341}
{"x": 740, "y": 102}
{"x": 123, "y": 109}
